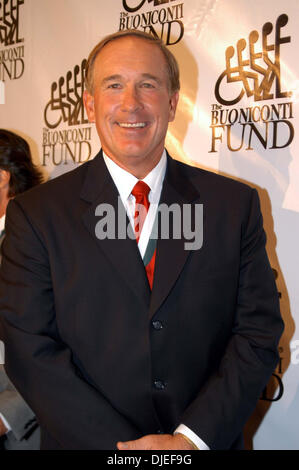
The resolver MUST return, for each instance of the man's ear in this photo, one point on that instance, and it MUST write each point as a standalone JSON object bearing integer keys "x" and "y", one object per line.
{"x": 173, "y": 102}
{"x": 4, "y": 178}
{"x": 88, "y": 100}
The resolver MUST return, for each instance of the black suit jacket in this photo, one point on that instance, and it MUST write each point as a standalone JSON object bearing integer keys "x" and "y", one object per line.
{"x": 79, "y": 313}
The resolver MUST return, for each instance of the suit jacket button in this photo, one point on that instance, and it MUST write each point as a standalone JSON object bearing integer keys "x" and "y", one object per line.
{"x": 159, "y": 384}
{"x": 157, "y": 325}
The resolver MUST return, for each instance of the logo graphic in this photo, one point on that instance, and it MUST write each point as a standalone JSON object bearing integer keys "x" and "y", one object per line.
{"x": 127, "y": 4}
{"x": 66, "y": 107}
{"x": 275, "y": 389}
{"x": 11, "y": 58}
{"x": 255, "y": 73}
{"x": 249, "y": 70}
{"x": 163, "y": 21}
{"x": 9, "y": 22}
{"x": 66, "y": 103}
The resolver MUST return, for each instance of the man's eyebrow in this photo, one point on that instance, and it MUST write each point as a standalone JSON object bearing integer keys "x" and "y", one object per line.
{"x": 147, "y": 76}
{"x": 111, "y": 77}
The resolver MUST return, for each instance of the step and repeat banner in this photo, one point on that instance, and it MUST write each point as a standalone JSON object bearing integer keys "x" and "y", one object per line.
{"x": 238, "y": 115}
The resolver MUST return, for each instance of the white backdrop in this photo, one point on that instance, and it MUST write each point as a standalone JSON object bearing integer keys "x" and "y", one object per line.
{"x": 250, "y": 135}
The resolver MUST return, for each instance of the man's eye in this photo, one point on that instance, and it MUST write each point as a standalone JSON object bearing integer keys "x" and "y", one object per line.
{"x": 147, "y": 85}
{"x": 114, "y": 85}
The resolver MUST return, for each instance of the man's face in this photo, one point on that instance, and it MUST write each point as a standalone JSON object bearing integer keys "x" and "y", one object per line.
{"x": 131, "y": 104}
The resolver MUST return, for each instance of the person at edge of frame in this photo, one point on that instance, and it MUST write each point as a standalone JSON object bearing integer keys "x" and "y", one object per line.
{"x": 19, "y": 429}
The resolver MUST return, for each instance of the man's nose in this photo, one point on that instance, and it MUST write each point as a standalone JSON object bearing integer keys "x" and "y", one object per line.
{"x": 131, "y": 100}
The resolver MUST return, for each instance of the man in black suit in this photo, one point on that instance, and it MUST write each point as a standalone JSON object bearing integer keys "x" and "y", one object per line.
{"x": 160, "y": 344}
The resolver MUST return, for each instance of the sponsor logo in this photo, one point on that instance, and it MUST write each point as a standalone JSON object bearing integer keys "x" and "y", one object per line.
{"x": 275, "y": 389}
{"x": 12, "y": 54}
{"x": 65, "y": 112}
{"x": 164, "y": 20}
{"x": 256, "y": 74}
{"x": 132, "y": 6}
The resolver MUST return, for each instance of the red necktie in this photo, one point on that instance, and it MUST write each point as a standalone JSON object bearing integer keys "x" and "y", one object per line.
{"x": 140, "y": 192}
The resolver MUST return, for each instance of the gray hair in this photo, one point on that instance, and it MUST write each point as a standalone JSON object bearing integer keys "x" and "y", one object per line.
{"x": 171, "y": 62}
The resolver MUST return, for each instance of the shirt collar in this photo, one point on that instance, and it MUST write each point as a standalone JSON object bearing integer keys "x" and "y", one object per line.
{"x": 125, "y": 181}
{"x": 2, "y": 223}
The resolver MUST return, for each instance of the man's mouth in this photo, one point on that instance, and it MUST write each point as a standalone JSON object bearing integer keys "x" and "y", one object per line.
{"x": 132, "y": 124}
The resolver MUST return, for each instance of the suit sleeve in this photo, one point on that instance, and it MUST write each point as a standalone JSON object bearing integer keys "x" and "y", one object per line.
{"x": 229, "y": 396}
{"x": 73, "y": 412}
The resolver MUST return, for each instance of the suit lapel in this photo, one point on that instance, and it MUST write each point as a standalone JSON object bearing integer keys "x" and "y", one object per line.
{"x": 2, "y": 235}
{"x": 171, "y": 253}
{"x": 98, "y": 189}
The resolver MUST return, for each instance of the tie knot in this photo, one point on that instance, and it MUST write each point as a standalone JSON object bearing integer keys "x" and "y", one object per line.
{"x": 141, "y": 189}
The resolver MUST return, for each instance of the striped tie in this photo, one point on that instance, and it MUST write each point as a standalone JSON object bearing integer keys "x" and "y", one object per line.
{"x": 140, "y": 192}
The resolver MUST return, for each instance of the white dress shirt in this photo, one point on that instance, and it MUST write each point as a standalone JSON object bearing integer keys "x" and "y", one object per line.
{"x": 125, "y": 182}
{"x": 2, "y": 223}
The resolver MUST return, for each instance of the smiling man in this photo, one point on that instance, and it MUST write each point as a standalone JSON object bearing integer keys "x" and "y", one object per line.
{"x": 135, "y": 342}
{"x": 131, "y": 103}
